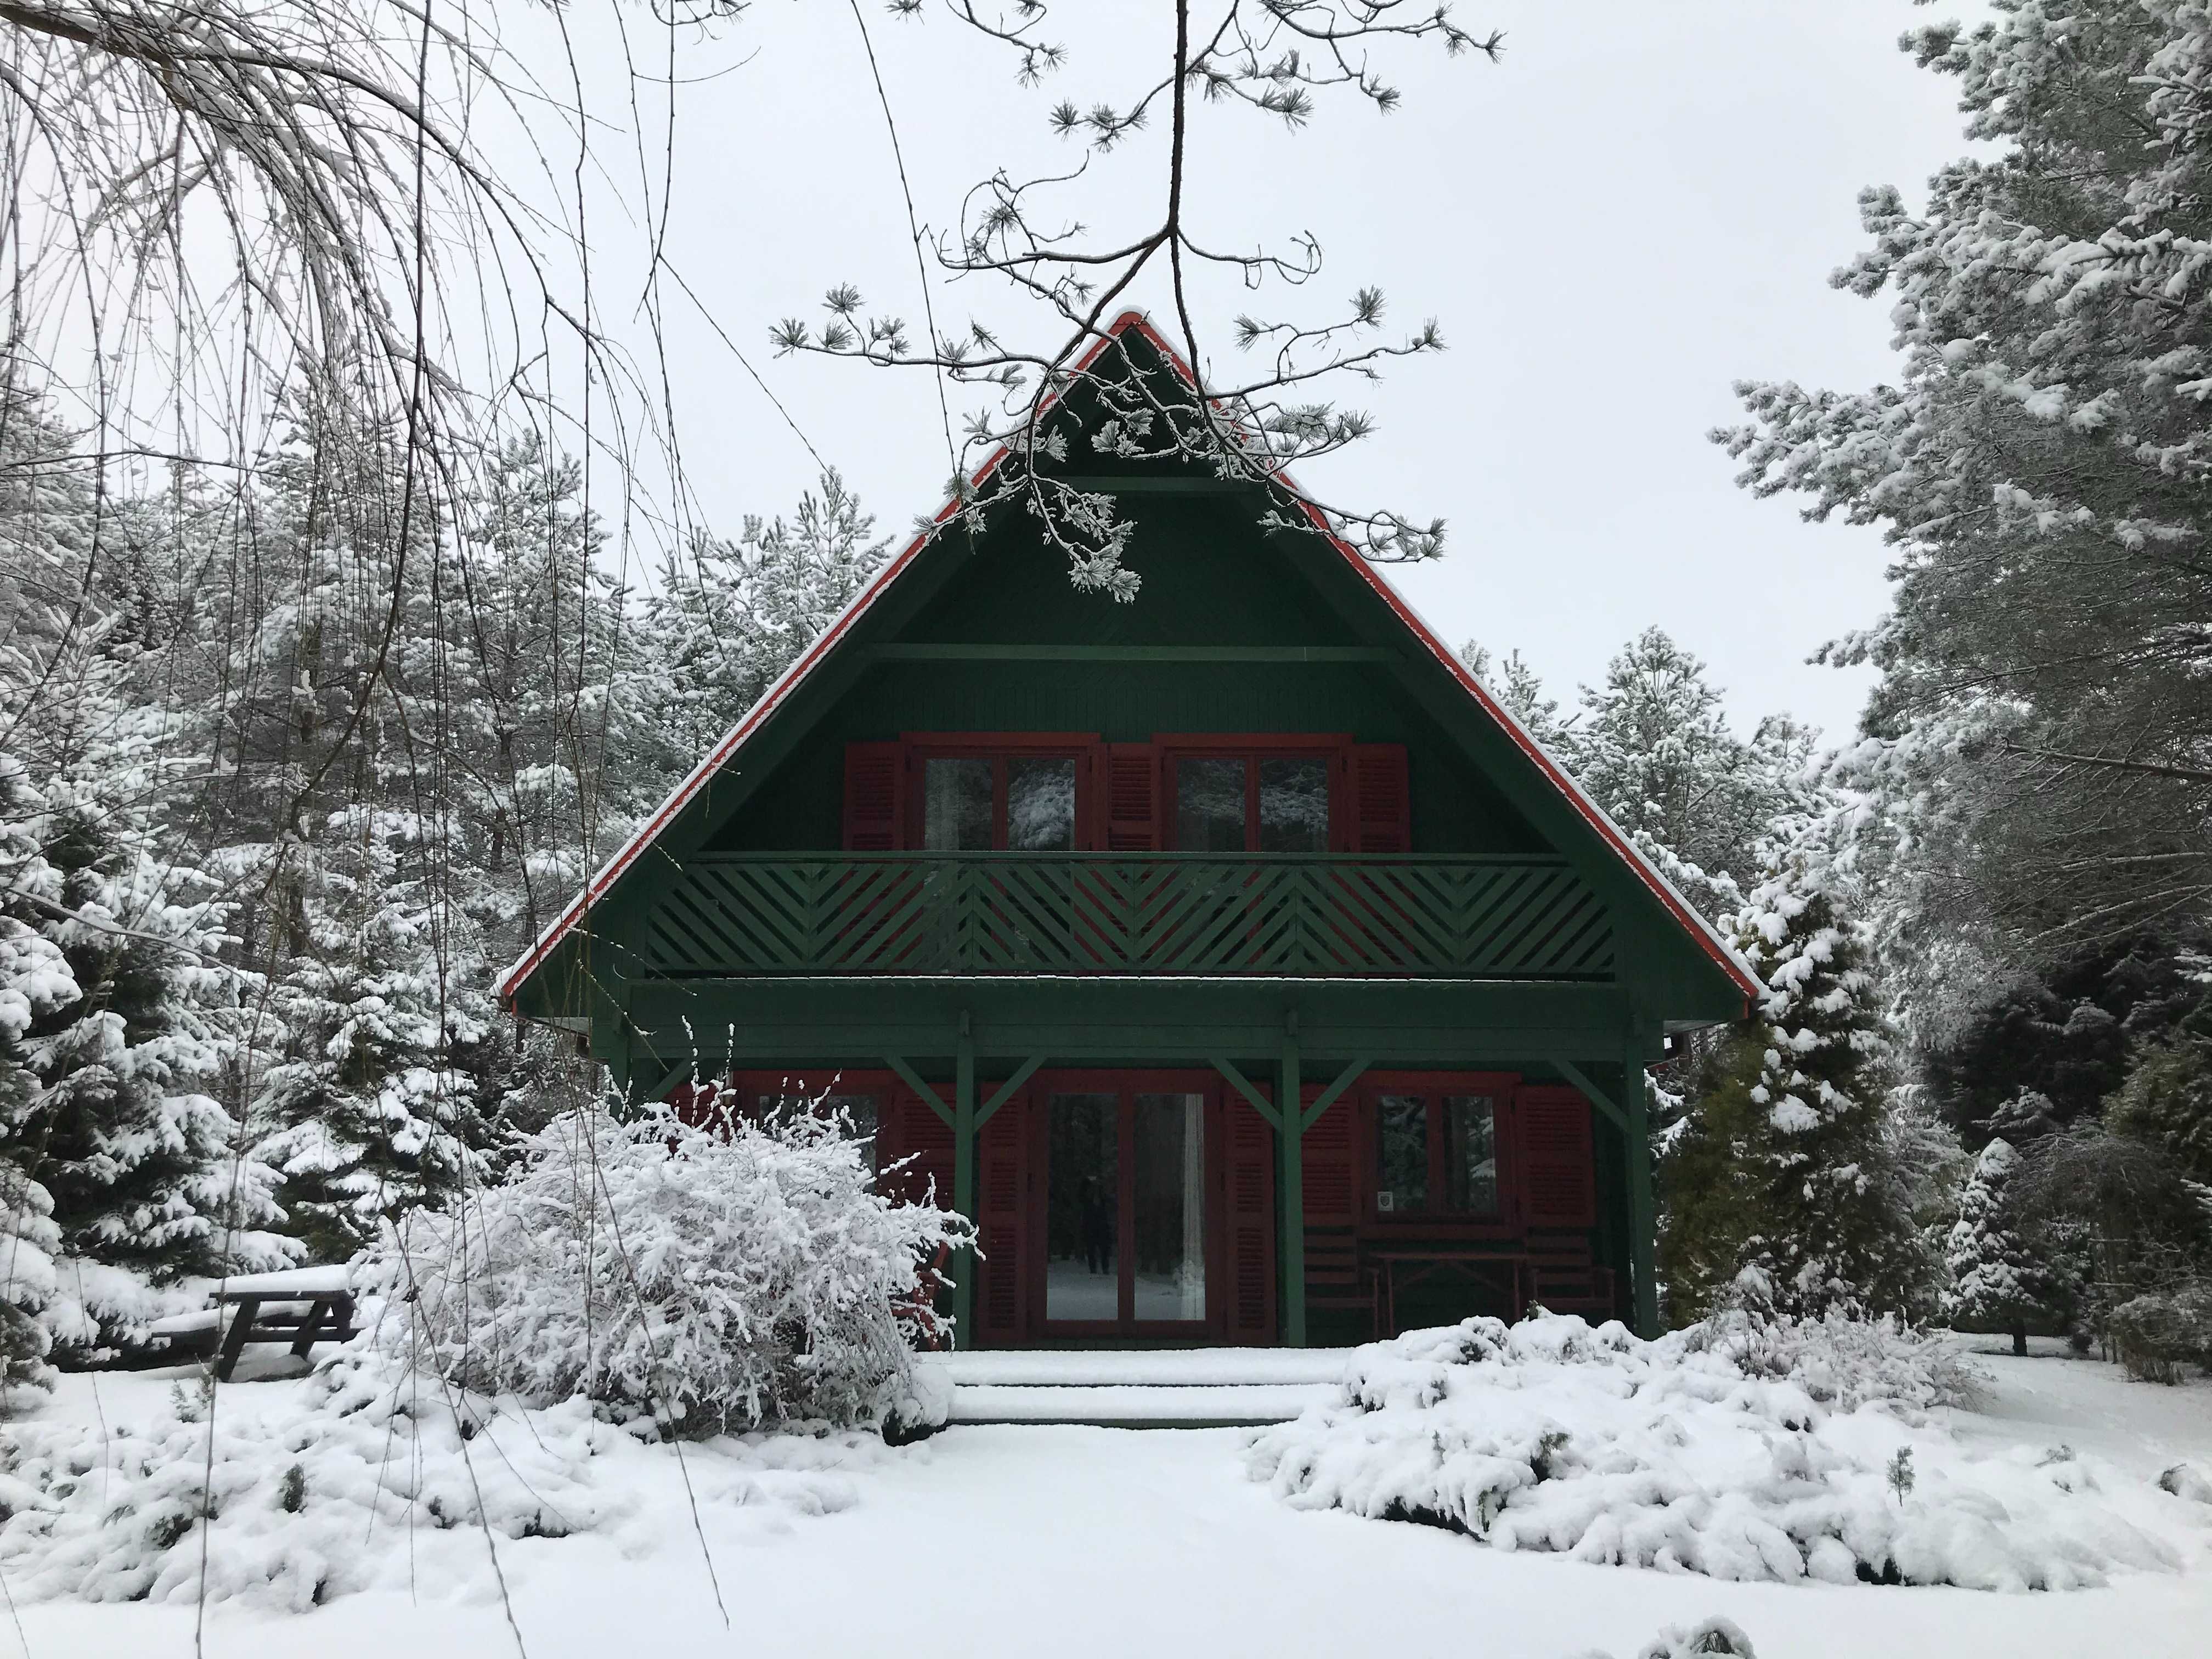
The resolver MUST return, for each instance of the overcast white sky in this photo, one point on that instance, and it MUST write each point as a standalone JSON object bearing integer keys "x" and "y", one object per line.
{"x": 1639, "y": 204}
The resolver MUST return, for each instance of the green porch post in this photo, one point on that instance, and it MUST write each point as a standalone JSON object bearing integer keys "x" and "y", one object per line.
{"x": 1642, "y": 1220}
{"x": 963, "y": 1175}
{"x": 1291, "y": 1184}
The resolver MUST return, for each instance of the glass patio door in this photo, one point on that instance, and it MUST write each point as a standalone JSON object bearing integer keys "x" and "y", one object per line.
{"x": 1125, "y": 1215}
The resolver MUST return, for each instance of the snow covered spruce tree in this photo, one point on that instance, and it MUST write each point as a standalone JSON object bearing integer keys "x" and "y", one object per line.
{"x": 1787, "y": 1167}
{"x": 1998, "y": 1280}
{"x": 130, "y": 1046}
{"x": 375, "y": 1112}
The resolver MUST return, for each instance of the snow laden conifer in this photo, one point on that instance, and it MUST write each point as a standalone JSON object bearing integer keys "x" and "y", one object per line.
{"x": 1785, "y": 1178}
{"x": 733, "y": 614}
{"x": 1997, "y": 1280}
{"x": 129, "y": 1028}
{"x": 373, "y": 1112}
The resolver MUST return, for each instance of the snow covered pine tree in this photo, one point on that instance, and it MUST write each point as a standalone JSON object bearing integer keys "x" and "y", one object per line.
{"x": 1786, "y": 1167}
{"x": 1996, "y": 1279}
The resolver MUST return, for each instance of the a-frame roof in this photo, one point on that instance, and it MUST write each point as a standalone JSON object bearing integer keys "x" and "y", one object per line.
{"x": 1707, "y": 939}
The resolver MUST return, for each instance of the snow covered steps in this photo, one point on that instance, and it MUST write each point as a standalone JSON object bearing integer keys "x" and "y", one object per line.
{"x": 1140, "y": 1388}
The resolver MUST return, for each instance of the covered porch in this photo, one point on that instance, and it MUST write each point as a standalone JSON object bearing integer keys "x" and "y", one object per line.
{"x": 1298, "y": 1227}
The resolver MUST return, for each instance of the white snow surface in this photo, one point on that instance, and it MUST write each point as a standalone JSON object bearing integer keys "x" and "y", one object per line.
{"x": 1137, "y": 1402}
{"x": 290, "y": 1281}
{"x": 1742, "y": 1451}
{"x": 1000, "y": 1542}
{"x": 1165, "y": 1367}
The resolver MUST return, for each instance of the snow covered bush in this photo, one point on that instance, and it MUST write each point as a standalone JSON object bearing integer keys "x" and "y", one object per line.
{"x": 359, "y": 1477}
{"x": 1707, "y": 1636}
{"x": 1748, "y": 1447}
{"x": 708, "y": 1279}
{"x": 2158, "y": 1333}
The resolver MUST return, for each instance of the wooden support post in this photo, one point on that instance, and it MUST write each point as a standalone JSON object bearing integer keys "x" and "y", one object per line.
{"x": 963, "y": 1174}
{"x": 1643, "y": 1219}
{"x": 1290, "y": 1183}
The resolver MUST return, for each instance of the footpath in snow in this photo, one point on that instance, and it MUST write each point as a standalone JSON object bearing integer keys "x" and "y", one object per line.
{"x": 1009, "y": 1539}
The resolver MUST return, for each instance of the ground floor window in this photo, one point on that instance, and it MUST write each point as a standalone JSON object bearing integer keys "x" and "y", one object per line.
{"x": 1435, "y": 1153}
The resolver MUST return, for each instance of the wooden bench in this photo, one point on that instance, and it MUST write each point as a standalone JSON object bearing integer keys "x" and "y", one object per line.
{"x": 1494, "y": 1267}
{"x": 301, "y": 1306}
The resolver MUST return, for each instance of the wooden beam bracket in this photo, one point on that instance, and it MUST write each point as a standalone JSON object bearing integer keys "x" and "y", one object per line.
{"x": 1596, "y": 1097}
{"x": 912, "y": 1078}
{"x": 1260, "y": 1102}
{"x": 1006, "y": 1090}
{"x": 1328, "y": 1097}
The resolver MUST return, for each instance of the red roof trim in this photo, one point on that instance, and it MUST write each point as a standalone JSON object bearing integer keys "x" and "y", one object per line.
{"x": 1661, "y": 888}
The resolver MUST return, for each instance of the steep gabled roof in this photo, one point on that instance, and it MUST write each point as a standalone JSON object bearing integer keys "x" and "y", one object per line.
{"x": 1708, "y": 939}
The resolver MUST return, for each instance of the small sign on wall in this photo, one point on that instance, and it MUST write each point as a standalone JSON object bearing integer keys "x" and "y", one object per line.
{"x": 1383, "y": 1202}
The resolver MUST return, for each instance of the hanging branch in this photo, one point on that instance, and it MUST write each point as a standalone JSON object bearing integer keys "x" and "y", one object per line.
{"x": 1274, "y": 57}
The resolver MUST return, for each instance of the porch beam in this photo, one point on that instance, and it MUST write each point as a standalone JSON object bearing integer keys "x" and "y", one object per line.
{"x": 1328, "y": 1097}
{"x": 1260, "y": 1102}
{"x": 1596, "y": 1097}
{"x": 913, "y": 1080}
{"x": 963, "y": 1176}
{"x": 1290, "y": 1184}
{"x": 1643, "y": 1219}
{"x": 1006, "y": 1090}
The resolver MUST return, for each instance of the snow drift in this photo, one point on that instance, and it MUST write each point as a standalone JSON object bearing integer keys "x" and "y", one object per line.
{"x": 1745, "y": 1447}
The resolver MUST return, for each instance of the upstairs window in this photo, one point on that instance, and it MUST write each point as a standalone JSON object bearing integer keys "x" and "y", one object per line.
{"x": 1251, "y": 804}
{"x": 1435, "y": 1154}
{"x": 998, "y": 802}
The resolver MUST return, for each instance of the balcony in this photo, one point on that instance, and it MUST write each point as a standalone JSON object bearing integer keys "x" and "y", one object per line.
{"x": 1191, "y": 914}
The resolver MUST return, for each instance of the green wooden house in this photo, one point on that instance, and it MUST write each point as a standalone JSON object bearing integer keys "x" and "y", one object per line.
{"x": 1229, "y": 956}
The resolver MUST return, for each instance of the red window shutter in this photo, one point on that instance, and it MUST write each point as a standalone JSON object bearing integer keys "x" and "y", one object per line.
{"x": 1328, "y": 1161}
{"x": 1382, "y": 806}
{"x": 1001, "y": 1172}
{"x": 907, "y": 1129}
{"x": 1132, "y": 789}
{"x": 875, "y": 797}
{"x": 1555, "y": 1165}
{"x": 1250, "y": 1201}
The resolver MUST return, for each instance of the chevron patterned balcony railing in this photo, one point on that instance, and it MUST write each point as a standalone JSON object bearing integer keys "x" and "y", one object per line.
{"x": 1196, "y": 914}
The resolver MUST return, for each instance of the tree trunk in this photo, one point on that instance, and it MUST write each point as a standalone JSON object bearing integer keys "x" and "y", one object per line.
{"x": 2019, "y": 1340}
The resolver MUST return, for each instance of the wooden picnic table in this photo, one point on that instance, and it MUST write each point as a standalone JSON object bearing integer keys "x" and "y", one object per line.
{"x": 299, "y": 1305}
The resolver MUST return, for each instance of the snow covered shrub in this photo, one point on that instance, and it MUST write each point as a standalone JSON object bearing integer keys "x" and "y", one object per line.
{"x": 1707, "y": 1637}
{"x": 360, "y": 1477}
{"x": 708, "y": 1279}
{"x": 1745, "y": 1449}
{"x": 2157, "y": 1334}
{"x": 1841, "y": 1362}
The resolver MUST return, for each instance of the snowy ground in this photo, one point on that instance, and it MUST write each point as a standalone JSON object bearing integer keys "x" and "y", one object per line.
{"x": 991, "y": 1540}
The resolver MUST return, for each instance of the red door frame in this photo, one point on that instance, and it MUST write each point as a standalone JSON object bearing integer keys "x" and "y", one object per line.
{"x": 1124, "y": 1082}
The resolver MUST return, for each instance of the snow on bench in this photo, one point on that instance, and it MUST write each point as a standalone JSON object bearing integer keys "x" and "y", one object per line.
{"x": 287, "y": 1282}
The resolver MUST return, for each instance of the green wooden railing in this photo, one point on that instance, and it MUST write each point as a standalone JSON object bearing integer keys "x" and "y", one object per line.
{"x": 1147, "y": 913}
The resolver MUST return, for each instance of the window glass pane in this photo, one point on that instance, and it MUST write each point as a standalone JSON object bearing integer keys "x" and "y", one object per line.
{"x": 1210, "y": 806}
{"x": 1294, "y": 806}
{"x": 1170, "y": 1177}
{"x": 1470, "y": 1154}
{"x": 1401, "y": 1153}
{"x": 1041, "y": 805}
{"x": 956, "y": 806}
{"x": 1083, "y": 1187}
